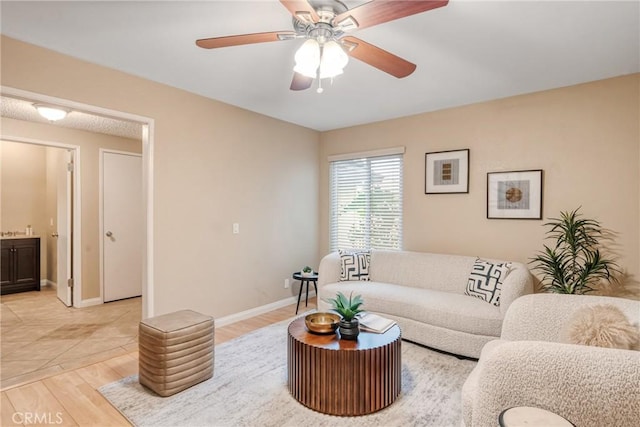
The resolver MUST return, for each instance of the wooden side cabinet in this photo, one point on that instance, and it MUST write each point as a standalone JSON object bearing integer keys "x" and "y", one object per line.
{"x": 20, "y": 265}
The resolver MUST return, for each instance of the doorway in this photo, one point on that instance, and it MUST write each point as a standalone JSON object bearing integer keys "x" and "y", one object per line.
{"x": 147, "y": 126}
{"x": 37, "y": 188}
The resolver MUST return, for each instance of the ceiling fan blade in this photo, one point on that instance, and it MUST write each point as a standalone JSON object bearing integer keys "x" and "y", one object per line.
{"x": 378, "y": 12}
{"x": 378, "y": 58}
{"x": 216, "y": 42}
{"x": 300, "y": 82}
{"x": 301, "y": 10}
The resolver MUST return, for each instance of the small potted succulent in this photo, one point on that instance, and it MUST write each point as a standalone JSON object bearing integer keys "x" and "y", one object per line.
{"x": 306, "y": 271}
{"x": 348, "y": 309}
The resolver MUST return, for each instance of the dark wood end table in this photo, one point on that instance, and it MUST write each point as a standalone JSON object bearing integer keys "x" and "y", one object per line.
{"x": 342, "y": 377}
{"x": 305, "y": 279}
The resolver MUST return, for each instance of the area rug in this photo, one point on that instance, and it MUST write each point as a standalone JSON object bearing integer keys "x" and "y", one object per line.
{"x": 249, "y": 388}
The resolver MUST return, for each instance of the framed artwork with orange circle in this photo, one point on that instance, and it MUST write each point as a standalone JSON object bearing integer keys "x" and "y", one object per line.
{"x": 514, "y": 194}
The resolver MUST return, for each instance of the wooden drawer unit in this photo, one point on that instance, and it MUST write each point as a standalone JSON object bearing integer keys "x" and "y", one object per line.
{"x": 20, "y": 265}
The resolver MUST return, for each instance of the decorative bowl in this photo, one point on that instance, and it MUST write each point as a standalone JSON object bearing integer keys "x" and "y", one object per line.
{"x": 322, "y": 323}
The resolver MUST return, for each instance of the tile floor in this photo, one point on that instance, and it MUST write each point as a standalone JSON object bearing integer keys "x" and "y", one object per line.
{"x": 40, "y": 336}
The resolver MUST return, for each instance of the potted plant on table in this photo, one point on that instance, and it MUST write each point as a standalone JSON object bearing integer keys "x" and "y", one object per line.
{"x": 306, "y": 271}
{"x": 574, "y": 265}
{"x": 348, "y": 309}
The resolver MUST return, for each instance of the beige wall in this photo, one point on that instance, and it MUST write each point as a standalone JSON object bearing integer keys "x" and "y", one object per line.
{"x": 23, "y": 188}
{"x": 586, "y": 138}
{"x": 90, "y": 144}
{"x": 214, "y": 165}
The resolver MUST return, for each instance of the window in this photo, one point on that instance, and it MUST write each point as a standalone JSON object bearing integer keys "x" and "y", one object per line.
{"x": 366, "y": 200}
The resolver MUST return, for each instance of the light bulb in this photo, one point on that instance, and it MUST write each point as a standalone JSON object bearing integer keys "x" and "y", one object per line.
{"x": 333, "y": 61}
{"x": 308, "y": 58}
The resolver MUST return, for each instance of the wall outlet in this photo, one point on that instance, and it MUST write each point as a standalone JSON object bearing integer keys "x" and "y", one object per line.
{"x": 236, "y": 228}
{"x": 286, "y": 283}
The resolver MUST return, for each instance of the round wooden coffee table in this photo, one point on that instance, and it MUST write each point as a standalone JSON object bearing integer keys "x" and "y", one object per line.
{"x": 341, "y": 377}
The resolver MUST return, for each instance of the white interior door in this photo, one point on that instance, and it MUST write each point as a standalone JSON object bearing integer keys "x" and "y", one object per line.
{"x": 64, "y": 225}
{"x": 122, "y": 225}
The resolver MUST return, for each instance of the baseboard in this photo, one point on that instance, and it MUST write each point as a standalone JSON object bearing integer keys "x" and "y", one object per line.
{"x": 48, "y": 283}
{"x": 88, "y": 302}
{"x": 243, "y": 315}
{"x": 232, "y": 318}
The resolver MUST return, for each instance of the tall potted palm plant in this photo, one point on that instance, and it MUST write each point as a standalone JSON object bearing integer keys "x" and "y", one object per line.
{"x": 574, "y": 264}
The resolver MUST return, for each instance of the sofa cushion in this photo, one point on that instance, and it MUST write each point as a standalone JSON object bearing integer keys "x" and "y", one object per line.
{"x": 354, "y": 265}
{"x": 485, "y": 280}
{"x": 438, "y": 272}
{"x": 443, "y": 309}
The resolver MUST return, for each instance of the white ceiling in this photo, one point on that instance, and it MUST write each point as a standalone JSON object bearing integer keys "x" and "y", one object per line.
{"x": 466, "y": 52}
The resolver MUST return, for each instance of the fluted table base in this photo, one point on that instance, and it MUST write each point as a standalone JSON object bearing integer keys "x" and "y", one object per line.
{"x": 340, "y": 377}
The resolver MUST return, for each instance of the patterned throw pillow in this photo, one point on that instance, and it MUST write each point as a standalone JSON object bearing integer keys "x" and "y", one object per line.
{"x": 354, "y": 265}
{"x": 485, "y": 280}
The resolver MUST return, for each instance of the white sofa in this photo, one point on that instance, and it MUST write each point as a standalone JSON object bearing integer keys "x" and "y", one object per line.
{"x": 530, "y": 366}
{"x": 425, "y": 294}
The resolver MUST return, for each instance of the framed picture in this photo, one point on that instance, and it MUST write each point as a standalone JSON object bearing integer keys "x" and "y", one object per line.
{"x": 446, "y": 172}
{"x": 514, "y": 195}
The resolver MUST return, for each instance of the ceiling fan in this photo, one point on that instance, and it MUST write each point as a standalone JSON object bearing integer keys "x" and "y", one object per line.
{"x": 326, "y": 24}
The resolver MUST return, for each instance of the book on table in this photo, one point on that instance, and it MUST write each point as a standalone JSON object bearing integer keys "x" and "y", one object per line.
{"x": 370, "y": 322}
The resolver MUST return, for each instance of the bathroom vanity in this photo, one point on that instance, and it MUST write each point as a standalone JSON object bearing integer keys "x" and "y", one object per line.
{"x": 20, "y": 264}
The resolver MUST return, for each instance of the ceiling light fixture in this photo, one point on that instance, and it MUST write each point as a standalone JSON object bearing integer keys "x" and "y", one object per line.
{"x": 50, "y": 112}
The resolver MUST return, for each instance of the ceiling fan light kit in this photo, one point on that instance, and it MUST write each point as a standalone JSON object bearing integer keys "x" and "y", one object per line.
{"x": 324, "y": 61}
{"x": 324, "y": 24}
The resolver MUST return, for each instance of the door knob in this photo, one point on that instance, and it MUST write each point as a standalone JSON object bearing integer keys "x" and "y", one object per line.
{"x": 109, "y": 234}
{"x": 54, "y": 234}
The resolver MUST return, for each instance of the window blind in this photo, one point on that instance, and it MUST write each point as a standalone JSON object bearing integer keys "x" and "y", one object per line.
{"x": 366, "y": 203}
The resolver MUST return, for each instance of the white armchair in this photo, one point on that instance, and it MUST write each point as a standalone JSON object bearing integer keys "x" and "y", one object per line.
{"x": 530, "y": 366}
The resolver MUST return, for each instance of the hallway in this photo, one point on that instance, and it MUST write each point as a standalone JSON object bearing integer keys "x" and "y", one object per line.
{"x": 40, "y": 336}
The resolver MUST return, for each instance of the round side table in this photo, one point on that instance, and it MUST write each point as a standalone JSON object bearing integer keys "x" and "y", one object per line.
{"x": 521, "y": 416}
{"x": 304, "y": 280}
{"x": 344, "y": 377}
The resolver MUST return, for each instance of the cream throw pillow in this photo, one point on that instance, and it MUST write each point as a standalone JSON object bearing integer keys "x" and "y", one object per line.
{"x": 485, "y": 280}
{"x": 354, "y": 265}
{"x": 602, "y": 325}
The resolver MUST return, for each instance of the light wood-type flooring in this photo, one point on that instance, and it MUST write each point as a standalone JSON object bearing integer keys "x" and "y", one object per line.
{"x": 41, "y": 336}
{"x": 67, "y": 393}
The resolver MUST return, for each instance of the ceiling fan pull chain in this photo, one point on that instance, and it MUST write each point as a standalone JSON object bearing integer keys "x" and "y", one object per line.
{"x": 320, "y": 89}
